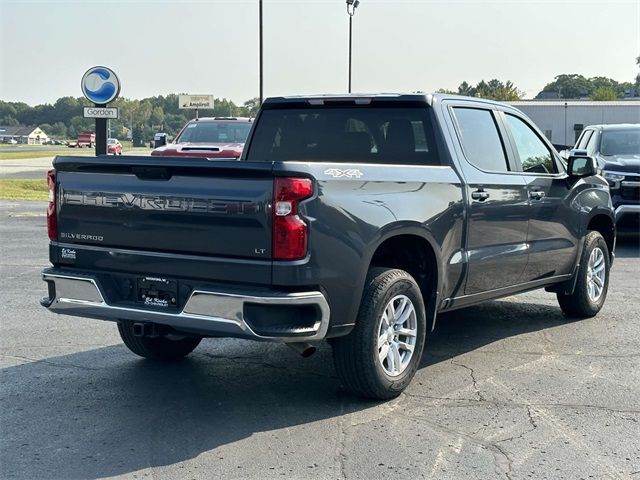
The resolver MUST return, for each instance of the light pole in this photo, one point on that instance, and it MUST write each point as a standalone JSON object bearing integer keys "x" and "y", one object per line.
{"x": 260, "y": 29}
{"x": 351, "y": 10}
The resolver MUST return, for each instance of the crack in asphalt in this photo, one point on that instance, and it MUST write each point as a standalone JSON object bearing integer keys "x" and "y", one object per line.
{"x": 473, "y": 378}
{"x": 534, "y": 426}
{"x": 502, "y": 461}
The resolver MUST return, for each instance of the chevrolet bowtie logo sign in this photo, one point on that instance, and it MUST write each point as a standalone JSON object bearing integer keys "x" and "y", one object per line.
{"x": 339, "y": 173}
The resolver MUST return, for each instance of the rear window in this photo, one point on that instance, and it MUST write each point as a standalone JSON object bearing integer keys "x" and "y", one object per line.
{"x": 218, "y": 132}
{"x": 345, "y": 134}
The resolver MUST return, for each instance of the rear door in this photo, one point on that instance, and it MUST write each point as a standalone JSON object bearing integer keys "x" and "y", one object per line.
{"x": 552, "y": 239}
{"x": 497, "y": 200}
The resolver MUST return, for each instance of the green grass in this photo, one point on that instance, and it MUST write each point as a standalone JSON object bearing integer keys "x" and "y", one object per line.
{"x": 11, "y": 189}
{"x": 17, "y": 155}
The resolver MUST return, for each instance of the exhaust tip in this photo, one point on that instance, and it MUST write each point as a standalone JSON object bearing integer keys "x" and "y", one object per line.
{"x": 307, "y": 352}
{"x": 303, "y": 348}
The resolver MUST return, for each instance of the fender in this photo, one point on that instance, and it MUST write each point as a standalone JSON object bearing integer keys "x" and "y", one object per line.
{"x": 607, "y": 212}
{"x": 568, "y": 287}
{"x": 408, "y": 228}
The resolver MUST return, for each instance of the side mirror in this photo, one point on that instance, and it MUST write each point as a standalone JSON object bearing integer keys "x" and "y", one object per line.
{"x": 581, "y": 165}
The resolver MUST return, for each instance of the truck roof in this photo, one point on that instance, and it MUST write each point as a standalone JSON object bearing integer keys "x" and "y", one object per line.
{"x": 358, "y": 98}
{"x": 616, "y": 126}
{"x": 365, "y": 98}
{"x": 222, "y": 119}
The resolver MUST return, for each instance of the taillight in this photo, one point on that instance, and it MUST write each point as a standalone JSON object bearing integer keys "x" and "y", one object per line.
{"x": 289, "y": 230}
{"x": 52, "y": 227}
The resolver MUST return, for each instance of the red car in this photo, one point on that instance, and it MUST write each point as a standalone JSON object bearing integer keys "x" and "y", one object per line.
{"x": 217, "y": 137}
{"x": 114, "y": 146}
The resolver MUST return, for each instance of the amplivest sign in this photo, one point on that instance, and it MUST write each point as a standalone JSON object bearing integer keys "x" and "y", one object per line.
{"x": 100, "y": 112}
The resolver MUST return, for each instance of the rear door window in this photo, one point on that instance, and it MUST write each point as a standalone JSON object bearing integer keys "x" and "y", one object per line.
{"x": 480, "y": 139}
{"x": 389, "y": 135}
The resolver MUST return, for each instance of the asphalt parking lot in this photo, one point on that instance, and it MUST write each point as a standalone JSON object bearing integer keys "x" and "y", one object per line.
{"x": 509, "y": 389}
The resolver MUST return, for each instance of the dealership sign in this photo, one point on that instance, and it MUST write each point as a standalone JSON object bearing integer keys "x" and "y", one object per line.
{"x": 195, "y": 101}
{"x": 100, "y": 85}
{"x": 100, "y": 112}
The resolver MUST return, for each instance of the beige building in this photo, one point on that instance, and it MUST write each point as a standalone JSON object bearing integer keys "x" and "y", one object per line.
{"x": 26, "y": 135}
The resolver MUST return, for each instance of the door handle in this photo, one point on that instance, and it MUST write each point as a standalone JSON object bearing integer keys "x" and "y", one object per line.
{"x": 537, "y": 194}
{"x": 480, "y": 195}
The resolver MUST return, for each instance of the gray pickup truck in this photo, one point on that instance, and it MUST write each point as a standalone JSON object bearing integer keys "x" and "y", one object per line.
{"x": 616, "y": 149}
{"x": 354, "y": 219}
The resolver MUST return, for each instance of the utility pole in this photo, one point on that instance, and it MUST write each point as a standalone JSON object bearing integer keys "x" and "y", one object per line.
{"x": 351, "y": 10}
{"x": 261, "y": 56}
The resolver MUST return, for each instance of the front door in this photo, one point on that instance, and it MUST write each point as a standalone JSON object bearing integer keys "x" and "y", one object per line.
{"x": 552, "y": 239}
{"x": 498, "y": 202}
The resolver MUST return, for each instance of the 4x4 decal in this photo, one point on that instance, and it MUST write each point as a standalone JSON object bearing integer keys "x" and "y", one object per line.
{"x": 339, "y": 173}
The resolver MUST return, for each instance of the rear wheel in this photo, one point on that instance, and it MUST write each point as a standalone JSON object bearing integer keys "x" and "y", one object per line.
{"x": 380, "y": 356}
{"x": 592, "y": 282}
{"x": 166, "y": 347}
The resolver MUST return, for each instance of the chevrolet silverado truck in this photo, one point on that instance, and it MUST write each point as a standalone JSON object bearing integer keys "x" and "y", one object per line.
{"x": 616, "y": 148}
{"x": 354, "y": 219}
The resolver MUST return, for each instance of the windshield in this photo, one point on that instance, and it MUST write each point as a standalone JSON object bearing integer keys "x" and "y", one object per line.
{"x": 218, "y": 132}
{"x": 111, "y": 141}
{"x": 620, "y": 142}
{"x": 345, "y": 134}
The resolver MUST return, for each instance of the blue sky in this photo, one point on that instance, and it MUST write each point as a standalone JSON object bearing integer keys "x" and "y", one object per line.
{"x": 159, "y": 47}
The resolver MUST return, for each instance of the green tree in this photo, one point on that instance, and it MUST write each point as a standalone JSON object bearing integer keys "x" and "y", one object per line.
{"x": 637, "y": 85}
{"x": 494, "y": 89}
{"x": 577, "y": 86}
{"x": 157, "y": 116}
{"x": 58, "y": 131}
{"x": 46, "y": 128}
{"x": 138, "y": 135}
{"x": 9, "y": 121}
{"x": 250, "y": 107}
{"x": 173, "y": 123}
{"x": 66, "y": 108}
{"x": 79, "y": 124}
{"x": 604, "y": 93}
{"x": 569, "y": 86}
{"x": 465, "y": 89}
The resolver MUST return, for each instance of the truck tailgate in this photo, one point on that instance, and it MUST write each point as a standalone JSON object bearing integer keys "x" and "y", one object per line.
{"x": 170, "y": 205}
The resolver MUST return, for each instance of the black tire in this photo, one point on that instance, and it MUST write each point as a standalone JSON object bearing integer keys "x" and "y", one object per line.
{"x": 157, "y": 348}
{"x": 356, "y": 355}
{"x": 579, "y": 304}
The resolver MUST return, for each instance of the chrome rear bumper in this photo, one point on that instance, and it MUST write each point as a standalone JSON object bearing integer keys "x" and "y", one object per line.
{"x": 206, "y": 312}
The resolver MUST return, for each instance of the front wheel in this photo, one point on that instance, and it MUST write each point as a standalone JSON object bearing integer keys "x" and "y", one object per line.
{"x": 380, "y": 356}
{"x": 161, "y": 347}
{"x": 592, "y": 282}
